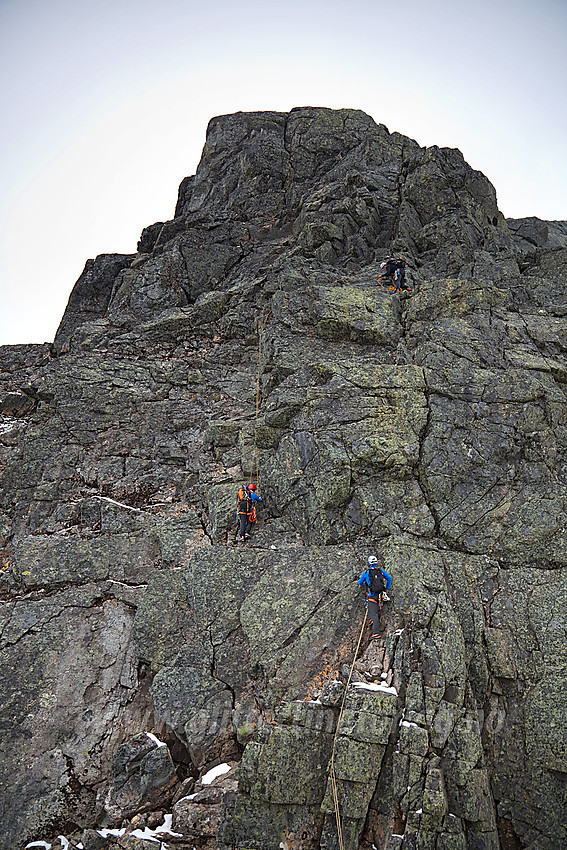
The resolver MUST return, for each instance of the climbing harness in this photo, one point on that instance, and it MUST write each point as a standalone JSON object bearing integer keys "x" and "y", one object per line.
{"x": 333, "y": 777}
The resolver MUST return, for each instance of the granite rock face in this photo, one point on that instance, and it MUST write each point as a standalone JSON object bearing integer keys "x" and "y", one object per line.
{"x": 248, "y": 338}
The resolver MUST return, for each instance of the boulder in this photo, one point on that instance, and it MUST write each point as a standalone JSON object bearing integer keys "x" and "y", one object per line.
{"x": 142, "y": 778}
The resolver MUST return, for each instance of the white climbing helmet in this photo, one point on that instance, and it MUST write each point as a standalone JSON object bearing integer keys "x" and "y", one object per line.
{"x": 372, "y": 559}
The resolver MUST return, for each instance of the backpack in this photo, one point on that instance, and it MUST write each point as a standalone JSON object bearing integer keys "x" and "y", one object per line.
{"x": 377, "y": 581}
{"x": 244, "y": 501}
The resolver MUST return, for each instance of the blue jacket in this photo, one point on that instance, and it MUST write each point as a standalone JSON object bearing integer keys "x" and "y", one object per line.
{"x": 364, "y": 580}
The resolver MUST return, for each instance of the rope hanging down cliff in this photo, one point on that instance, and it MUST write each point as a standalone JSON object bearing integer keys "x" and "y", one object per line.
{"x": 248, "y": 495}
{"x": 332, "y": 775}
{"x": 260, "y": 332}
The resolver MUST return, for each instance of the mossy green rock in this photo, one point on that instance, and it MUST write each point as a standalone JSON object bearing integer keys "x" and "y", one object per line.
{"x": 290, "y": 769}
{"x": 249, "y": 340}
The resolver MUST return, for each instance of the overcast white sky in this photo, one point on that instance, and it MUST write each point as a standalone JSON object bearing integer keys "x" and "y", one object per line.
{"x": 105, "y": 105}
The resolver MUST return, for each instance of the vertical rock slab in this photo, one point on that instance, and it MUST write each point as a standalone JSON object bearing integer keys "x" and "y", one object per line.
{"x": 363, "y": 734}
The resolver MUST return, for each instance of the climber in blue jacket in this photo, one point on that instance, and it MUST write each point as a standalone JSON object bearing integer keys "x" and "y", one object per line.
{"x": 377, "y": 583}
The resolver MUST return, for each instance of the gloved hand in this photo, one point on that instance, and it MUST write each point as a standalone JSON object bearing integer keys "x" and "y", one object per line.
{"x": 385, "y": 597}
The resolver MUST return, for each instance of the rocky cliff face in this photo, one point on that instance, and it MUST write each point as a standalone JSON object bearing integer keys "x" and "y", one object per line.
{"x": 247, "y": 337}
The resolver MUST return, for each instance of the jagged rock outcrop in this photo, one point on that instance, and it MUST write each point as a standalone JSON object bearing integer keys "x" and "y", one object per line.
{"x": 247, "y": 337}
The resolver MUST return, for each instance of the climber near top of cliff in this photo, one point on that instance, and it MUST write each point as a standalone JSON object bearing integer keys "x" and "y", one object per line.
{"x": 377, "y": 582}
{"x": 245, "y": 510}
{"x": 394, "y": 273}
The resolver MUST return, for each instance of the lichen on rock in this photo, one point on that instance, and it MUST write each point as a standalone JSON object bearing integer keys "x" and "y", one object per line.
{"x": 250, "y": 339}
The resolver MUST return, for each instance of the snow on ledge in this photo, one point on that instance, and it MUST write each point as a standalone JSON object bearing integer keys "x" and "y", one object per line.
{"x": 148, "y": 834}
{"x": 372, "y": 686}
{"x": 118, "y": 504}
{"x": 123, "y": 584}
{"x": 213, "y": 773}
{"x": 157, "y": 741}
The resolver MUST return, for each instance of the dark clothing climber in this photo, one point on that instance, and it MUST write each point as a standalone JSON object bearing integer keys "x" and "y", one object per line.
{"x": 377, "y": 583}
{"x": 395, "y": 273}
{"x": 389, "y": 268}
{"x": 400, "y": 277}
{"x": 246, "y": 511}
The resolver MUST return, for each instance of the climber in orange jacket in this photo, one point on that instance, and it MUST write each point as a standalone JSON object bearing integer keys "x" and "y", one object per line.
{"x": 246, "y": 511}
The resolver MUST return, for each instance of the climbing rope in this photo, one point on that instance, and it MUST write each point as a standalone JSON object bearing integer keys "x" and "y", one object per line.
{"x": 260, "y": 332}
{"x": 333, "y": 777}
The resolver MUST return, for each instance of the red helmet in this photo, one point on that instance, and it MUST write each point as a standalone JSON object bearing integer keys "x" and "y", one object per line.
{"x": 251, "y": 486}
